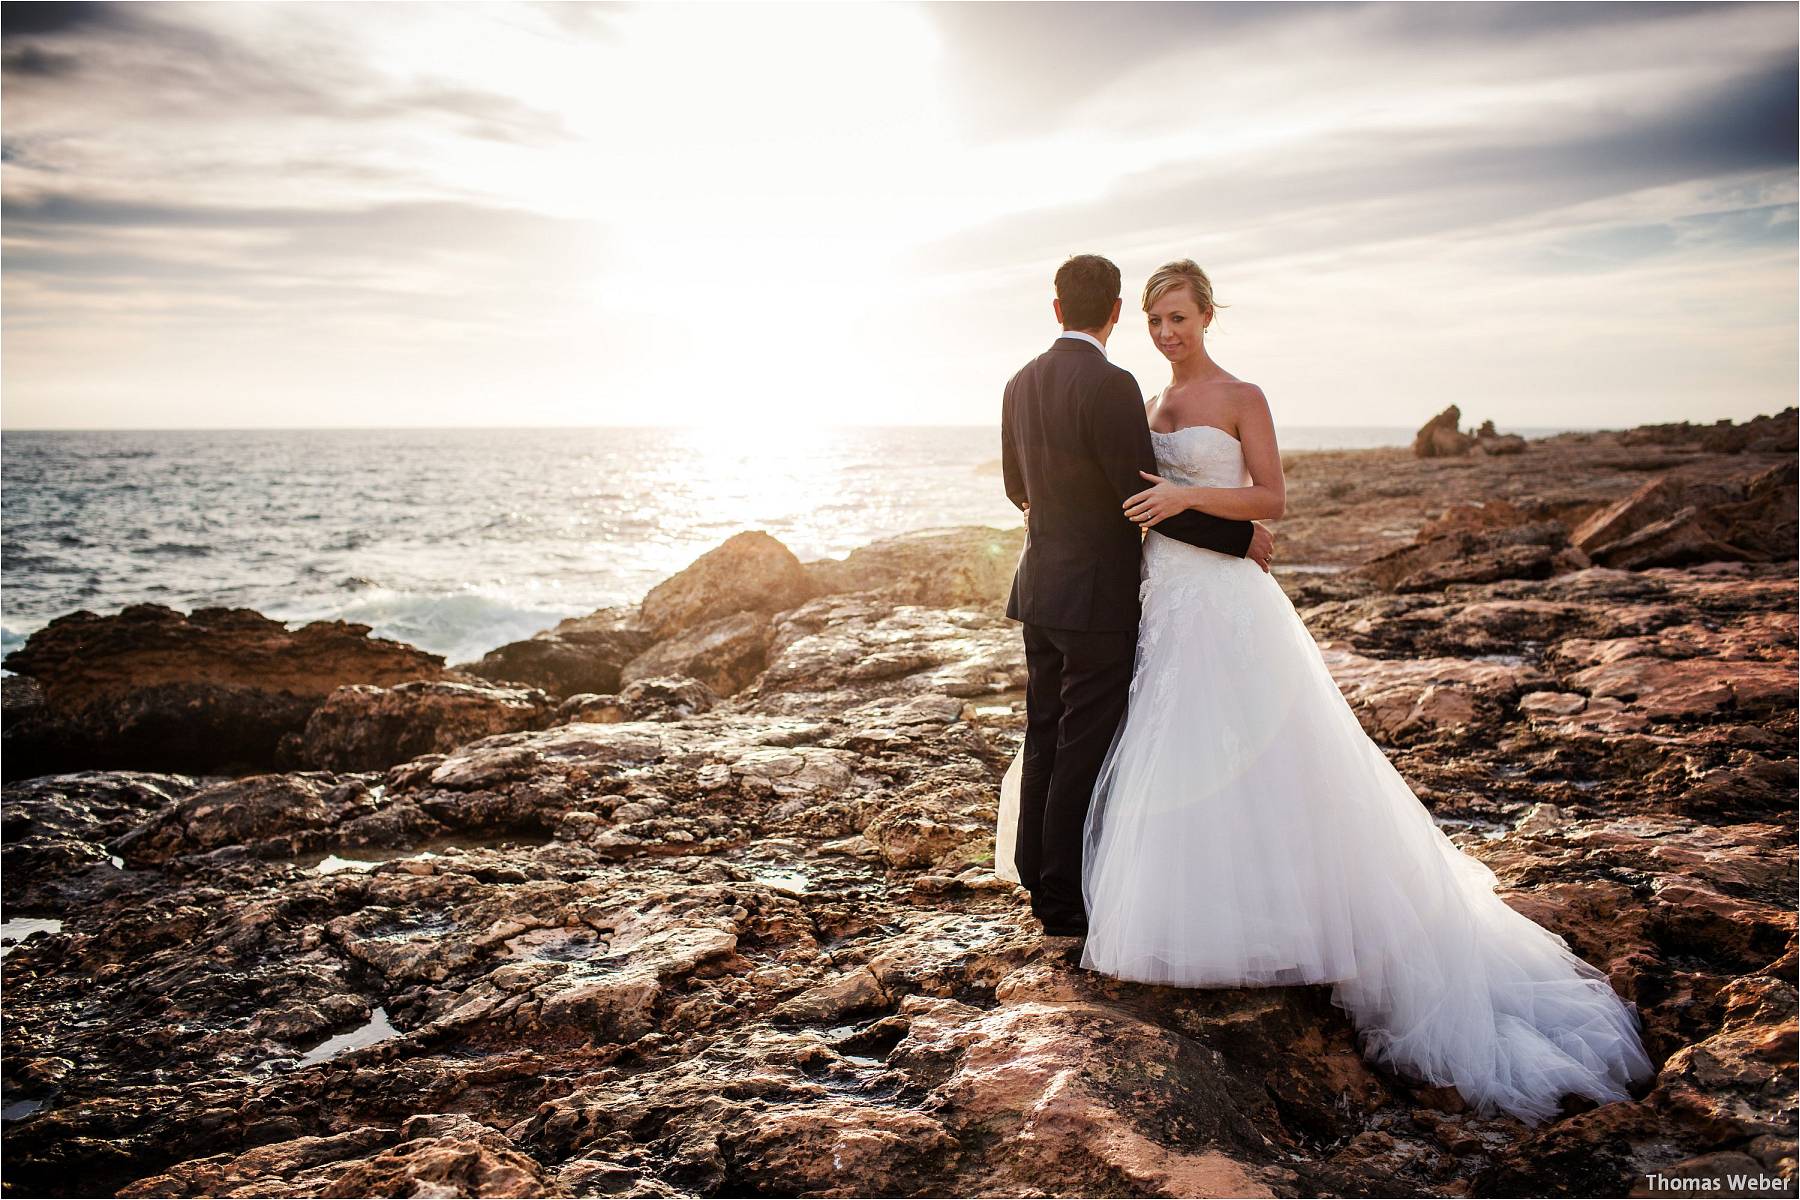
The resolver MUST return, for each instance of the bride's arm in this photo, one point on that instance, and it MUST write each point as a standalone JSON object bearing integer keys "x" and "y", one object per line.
{"x": 1264, "y": 500}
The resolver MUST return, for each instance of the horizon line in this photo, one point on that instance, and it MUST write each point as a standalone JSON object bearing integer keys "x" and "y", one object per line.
{"x": 726, "y": 427}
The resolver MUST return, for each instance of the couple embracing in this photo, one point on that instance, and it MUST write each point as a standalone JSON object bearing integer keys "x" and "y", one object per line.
{"x": 1195, "y": 799}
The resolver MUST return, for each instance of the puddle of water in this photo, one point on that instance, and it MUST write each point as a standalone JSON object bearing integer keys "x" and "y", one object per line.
{"x": 331, "y": 863}
{"x": 577, "y": 944}
{"x": 376, "y": 1029}
{"x": 782, "y": 880}
{"x": 406, "y": 930}
{"x": 19, "y": 928}
{"x": 20, "y": 1108}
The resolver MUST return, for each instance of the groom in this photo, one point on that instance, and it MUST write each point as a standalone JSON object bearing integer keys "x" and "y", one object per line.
{"x": 1073, "y": 439}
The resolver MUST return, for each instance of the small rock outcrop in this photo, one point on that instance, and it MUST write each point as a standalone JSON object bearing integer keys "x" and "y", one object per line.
{"x": 725, "y": 654}
{"x": 1673, "y": 521}
{"x": 670, "y": 698}
{"x": 581, "y": 654}
{"x": 1440, "y": 437}
{"x": 969, "y": 566}
{"x": 216, "y": 689}
{"x": 1776, "y": 433}
{"x": 367, "y": 728}
{"x": 750, "y": 572}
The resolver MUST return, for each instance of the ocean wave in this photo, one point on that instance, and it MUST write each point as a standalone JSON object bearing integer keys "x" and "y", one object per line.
{"x": 175, "y": 549}
{"x": 460, "y": 625}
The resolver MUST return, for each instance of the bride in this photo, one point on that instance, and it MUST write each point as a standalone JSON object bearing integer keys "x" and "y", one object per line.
{"x": 1245, "y": 831}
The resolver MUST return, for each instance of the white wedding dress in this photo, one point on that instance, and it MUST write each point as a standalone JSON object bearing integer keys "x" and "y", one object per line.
{"x": 1245, "y": 831}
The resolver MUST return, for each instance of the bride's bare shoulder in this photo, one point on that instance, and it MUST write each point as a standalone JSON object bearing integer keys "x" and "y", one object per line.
{"x": 1247, "y": 399}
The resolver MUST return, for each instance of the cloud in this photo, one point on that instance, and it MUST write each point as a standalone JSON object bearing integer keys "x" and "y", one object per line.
{"x": 35, "y": 60}
{"x": 140, "y": 63}
{"x": 36, "y": 18}
{"x": 1027, "y": 68}
{"x": 1360, "y": 184}
{"x": 444, "y": 197}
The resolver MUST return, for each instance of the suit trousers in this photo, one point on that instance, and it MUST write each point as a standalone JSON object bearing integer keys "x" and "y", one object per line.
{"x": 1077, "y": 683}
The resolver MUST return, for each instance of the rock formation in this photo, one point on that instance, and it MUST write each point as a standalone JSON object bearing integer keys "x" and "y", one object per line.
{"x": 1440, "y": 437}
{"x": 365, "y": 728}
{"x": 663, "y": 942}
{"x": 216, "y": 689}
{"x": 968, "y": 567}
{"x": 1672, "y": 521}
{"x": 581, "y": 654}
{"x": 750, "y": 572}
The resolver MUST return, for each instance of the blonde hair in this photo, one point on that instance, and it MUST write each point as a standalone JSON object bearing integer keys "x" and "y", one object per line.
{"x": 1183, "y": 272}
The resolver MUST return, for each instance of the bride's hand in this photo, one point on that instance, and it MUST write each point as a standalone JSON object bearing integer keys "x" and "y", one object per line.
{"x": 1157, "y": 503}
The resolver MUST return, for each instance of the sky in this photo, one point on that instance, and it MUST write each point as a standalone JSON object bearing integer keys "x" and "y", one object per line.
{"x": 762, "y": 216}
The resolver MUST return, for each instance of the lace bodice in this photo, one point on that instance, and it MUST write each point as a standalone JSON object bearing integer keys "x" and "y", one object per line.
{"x": 1200, "y": 456}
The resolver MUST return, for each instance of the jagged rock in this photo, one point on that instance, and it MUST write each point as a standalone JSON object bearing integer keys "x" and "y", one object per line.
{"x": 757, "y": 947}
{"x": 966, "y": 567}
{"x": 581, "y": 654}
{"x": 668, "y": 698}
{"x": 673, "y": 698}
{"x": 748, "y": 572}
{"x": 213, "y": 690}
{"x": 59, "y": 830}
{"x": 853, "y": 992}
{"x": 1529, "y": 551}
{"x": 1766, "y": 434}
{"x": 1663, "y": 689}
{"x": 445, "y": 1154}
{"x": 1400, "y": 698}
{"x": 587, "y": 708}
{"x": 1489, "y": 440}
{"x": 1673, "y": 521}
{"x": 1440, "y": 437}
{"x": 364, "y": 728}
{"x": 724, "y": 655}
{"x": 295, "y": 1167}
{"x": 257, "y": 808}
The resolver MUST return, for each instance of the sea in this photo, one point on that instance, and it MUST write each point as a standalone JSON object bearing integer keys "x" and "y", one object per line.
{"x": 461, "y": 540}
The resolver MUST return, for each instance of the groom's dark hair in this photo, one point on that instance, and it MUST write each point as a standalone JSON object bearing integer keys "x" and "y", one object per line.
{"x": 1087, "y": 285}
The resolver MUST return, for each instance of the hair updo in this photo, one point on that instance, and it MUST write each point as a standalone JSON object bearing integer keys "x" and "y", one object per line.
{"x": 1183, "y": 272}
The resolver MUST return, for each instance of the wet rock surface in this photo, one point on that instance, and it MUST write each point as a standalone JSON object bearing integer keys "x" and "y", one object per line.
{"x": 674, "y": 942}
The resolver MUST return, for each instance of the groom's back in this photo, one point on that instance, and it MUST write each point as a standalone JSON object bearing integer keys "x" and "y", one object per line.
{"x": 1079, "y": 569}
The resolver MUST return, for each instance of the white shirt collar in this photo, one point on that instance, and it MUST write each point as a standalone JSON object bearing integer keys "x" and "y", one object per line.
{"x": 1086, "y": 337}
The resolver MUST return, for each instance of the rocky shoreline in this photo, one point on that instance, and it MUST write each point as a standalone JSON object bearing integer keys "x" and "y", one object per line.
{"x": 695, "y": 898}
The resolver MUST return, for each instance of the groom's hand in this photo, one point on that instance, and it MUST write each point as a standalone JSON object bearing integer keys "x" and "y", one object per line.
{"x": 1262, "y": 547}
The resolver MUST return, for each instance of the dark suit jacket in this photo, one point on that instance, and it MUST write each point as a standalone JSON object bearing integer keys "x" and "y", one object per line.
{"x": 1073, "y": 438}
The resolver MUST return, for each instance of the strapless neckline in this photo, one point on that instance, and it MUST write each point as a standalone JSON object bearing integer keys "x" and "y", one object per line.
{"x": 1185, "y": 428}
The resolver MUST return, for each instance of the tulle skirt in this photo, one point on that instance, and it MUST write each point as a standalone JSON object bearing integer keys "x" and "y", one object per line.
{"x": 1245, "y": 831}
